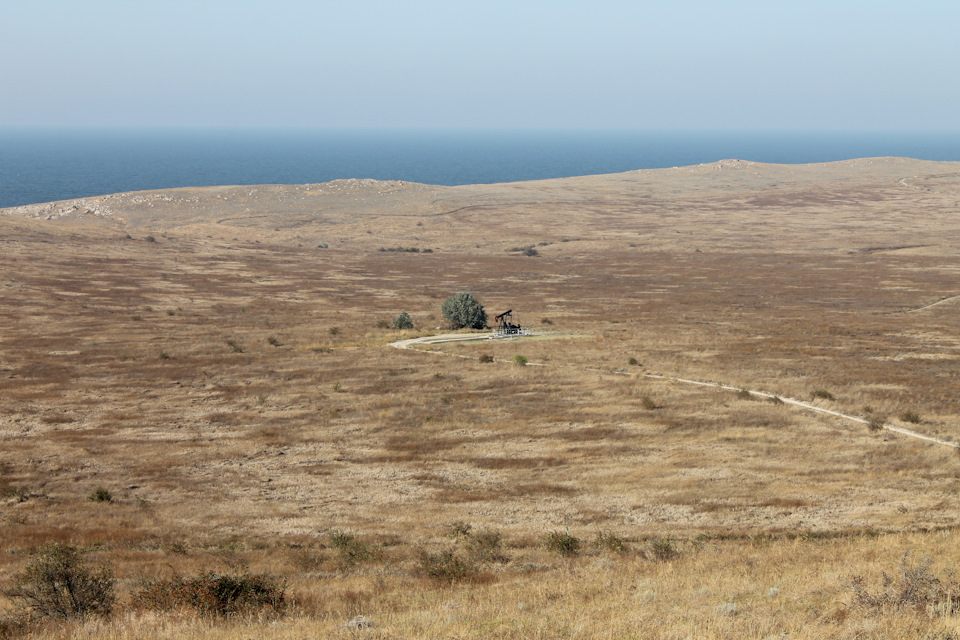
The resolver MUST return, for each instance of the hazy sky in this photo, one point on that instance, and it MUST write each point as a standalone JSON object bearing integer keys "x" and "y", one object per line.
{"x": 677, "y": 64}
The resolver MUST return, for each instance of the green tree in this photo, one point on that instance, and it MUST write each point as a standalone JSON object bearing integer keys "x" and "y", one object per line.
{"x": 403, "y": 321}
{"x": 463, "y": 310}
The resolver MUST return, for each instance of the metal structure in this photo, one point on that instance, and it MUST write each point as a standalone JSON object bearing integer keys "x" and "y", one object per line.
{"x": 505, "y": 327}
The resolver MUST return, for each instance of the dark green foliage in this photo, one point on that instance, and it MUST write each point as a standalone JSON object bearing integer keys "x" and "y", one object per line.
{"x": 57, "y": 584}
{"x": 562, "y": 543}
{"x": 403, "y": 321}
{"x": 520, "y": 360}
{"x": 464, "y": 311}
{"x": 100, "y": 494}
{"x": 214, "y": 594}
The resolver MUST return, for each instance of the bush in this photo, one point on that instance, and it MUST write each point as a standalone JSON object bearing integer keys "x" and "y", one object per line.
{"x": 916, "y": 587}
{"x": 351, "y": 550}
{"x": 562, "y": 543}
{"x": 214, "y": 594}
{"x": 822, "y": 394}
{"x": 520, "y": 360}
{"x": 464, "y": 311}
{"x": 57, "y": 584}
{"x": 661, "y": 550}
{"x": 647, "y": 403}
{"x": 447, "y": 566}
{"x": 486, "y": 546}
{"x": 403, "y": 321}
{"x": 486, "y": 357}
{"x": 100, "y": 494}
{"x": 910, "y": 416}
{"x": 607, "y": 541}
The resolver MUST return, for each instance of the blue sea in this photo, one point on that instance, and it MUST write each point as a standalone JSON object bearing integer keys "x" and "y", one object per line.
{"x": 41, "y": 165}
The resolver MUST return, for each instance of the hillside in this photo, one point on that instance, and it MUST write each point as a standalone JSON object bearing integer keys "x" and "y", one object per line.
{"x": 219, "y": 360}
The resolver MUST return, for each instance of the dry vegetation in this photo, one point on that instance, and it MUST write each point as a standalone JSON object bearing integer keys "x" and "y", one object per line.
{"x": 217, "y": 361}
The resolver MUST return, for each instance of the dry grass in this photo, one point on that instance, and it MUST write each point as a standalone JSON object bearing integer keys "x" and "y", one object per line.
{"x": 228, "y": 459}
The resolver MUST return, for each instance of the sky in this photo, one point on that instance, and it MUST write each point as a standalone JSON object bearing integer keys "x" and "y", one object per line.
{"x": 605, "y": 64}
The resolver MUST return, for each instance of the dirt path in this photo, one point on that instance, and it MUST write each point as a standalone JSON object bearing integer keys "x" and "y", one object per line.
{"x": 411, "y": 343}
{"x": 933, "y": 304}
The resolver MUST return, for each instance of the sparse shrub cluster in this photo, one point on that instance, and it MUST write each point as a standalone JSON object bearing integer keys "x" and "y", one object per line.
{"x": 822, "y": 394}
{"x": 58, "y": 584}
{"x": 607, "y": 541}
{"x": 485, "y": 358}
{"x": 351, "y": 550}
{"x": 914, "y": 587}
{"x": 447, "y": 566}
{"x": 910, "y": 416}
{"x": 660, "y": 550}
{"x": 214, "y": 594}
{"x": 562, "y": 543}
{"x": 404, "y": 250}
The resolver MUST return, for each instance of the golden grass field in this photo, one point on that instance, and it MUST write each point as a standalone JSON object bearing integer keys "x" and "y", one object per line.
{"x": 217, "y": 359}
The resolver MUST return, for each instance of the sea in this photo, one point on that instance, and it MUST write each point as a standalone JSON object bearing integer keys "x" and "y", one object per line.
{"x": 43, "y": 165}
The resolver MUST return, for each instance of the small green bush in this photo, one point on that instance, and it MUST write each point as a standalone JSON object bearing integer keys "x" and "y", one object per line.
{"x": 520, "y": 360}
{"x": 214, "y": 594}
{"x": 58, "y": 584}
{"x": 403, "y": 321}
{"x": 633, "y": 362}
{"x": 562, "y": 543}
{"x": 822, "y": 394}
{"x": 100, "y": 494}
{"x": 334, "y": 330}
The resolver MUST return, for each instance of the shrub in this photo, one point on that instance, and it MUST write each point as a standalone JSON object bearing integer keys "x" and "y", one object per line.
{"x": 334, "y": 330}
{"x": 562, "y": 543}
{"x": 916, "y": 587}
{"x": 236, "y": 348}
{"x": 446, "y": 566}
{"x": 607, "y": 541}
{"x": 464, "y": 311}
{"x": 633, "y": 362}
{"x": 57, "y": 584}
{"x": 520, "y": 360}
{"x": 351, "y": 550}
{"x": 910, "y": 416}
{"x": 215, "y": 594}
{"x": 403, "y": 321}
{"x": 486, "y": 357}
{"x": 546, "y": 321}
{"x": 530, "y": 251}
{"x": 647, "y": 403}
{"x": 100, "y": 494}
{"x": 661, "y": 550}
{"x": 486, "y": 546}
{"x": 875, "y": 423}
{"x": 822, "y": 394}
{"x": 273, "y": 341}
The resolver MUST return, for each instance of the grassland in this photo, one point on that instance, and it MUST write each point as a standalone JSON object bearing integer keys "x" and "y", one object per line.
{"x": 216, "y": 359}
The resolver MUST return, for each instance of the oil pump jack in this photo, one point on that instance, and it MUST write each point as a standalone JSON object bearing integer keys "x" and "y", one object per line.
{"x": 505, "y": 327}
